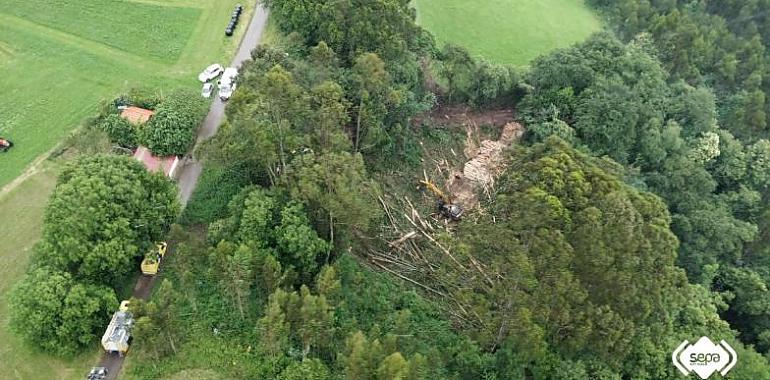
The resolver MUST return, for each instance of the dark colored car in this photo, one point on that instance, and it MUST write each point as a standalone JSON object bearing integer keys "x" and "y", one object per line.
{"x": 97, "y": 373}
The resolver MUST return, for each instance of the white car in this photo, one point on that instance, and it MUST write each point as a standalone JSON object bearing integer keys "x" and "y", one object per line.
{"x": 210, "y": 73}
{"x": 208, "y": 88}
{"x": 229, "y": 76}
{"x": 226, "y": 90}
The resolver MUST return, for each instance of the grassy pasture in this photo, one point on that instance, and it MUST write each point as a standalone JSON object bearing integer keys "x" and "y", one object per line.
{"x": 159, "y": 32}
{"x": 59, "y": 59}
{"x": 508, "y": 31}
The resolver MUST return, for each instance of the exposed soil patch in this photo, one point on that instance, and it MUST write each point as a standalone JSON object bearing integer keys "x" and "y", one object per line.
{"x": 466, "y": 116}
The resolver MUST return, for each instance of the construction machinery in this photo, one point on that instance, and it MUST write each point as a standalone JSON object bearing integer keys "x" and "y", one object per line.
{"x": 152, "y": 259}
{"x": 117, "y": 338}
{"x": 5, "y": 144}
{"x": 445, "y": 205}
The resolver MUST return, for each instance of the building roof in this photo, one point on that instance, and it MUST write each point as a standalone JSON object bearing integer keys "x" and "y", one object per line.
{"x": 153, "y": 163}
{"x": 136, "y": 115}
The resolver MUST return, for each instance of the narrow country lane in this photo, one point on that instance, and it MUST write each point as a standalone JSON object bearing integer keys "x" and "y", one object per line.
{"x": 189, "y": 174}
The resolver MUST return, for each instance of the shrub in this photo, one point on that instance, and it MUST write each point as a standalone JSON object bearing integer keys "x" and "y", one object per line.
{"x": 121, "y": 132}
{"x": 172, "y": 130}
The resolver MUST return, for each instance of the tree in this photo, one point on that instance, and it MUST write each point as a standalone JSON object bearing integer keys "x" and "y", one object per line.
{"x": 328, "y": 99}
{"x": 273, "y": 328}
{"x": 54, "y": 313}
{"x": 120, "y": 130}
{"x": 371, "y": 360}
{"x": 337, "y": 185}
{"x": 233, "y": 266}
{"x": 758, "y": 155}
{"x": 385, "y": 27}
{"x": 156, "y": 326}
{"x": 491, "y": 84}
{"x": 298, "y": 244}
{"x": 456, "y": 64}
{"x": 575, "y": 236}
{"x": 105, "y": 212}
{"x": 257, "y": 219}
{"x": 315, "y": 327}
{"x": 370, "y": 83}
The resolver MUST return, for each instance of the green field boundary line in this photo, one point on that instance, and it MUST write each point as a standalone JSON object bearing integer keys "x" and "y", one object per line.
{"x": 167, "y": 4}
{"x": 87, "y": 45}
{"x": 192, "y": 43}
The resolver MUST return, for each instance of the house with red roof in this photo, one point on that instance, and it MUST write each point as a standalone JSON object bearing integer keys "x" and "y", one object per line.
{"x": 167, "y": 165}
{"x": 136, "y": 115}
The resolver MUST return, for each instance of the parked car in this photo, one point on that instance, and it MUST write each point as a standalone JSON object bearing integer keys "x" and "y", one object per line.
{"x": 229, "y": 75}
{"x": 208, "y": 88}
{"x": 210, "y": 73}
{"x": 97, "y": 373}
{"x": 226, "y": 91}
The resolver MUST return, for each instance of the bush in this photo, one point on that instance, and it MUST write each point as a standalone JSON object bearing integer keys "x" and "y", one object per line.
{"x": 216, "y": 187}
{"x": 121, "y": 132}
{"x": 172, "y": 130}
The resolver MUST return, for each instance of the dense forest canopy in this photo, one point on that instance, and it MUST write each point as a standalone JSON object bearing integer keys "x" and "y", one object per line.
{"x": 631, "y": 217}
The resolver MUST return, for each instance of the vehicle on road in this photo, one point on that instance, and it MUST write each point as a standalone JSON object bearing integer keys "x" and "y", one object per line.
{"x": 97, "y": 373}
{"x": 229, "y": 75}
{"x": 226, "y": 90}
{"x": 208, "y": 88}
{"x": 210, "y": 73}
{"x": 5, "y": 144}
{"x": 227, "y": 83}
{"x": 117, "y": 337}
{"x": 152, "y": 259}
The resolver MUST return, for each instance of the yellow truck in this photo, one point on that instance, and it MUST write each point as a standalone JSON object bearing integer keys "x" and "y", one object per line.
{"x": 117, "y": 338}
{"x": 152, "y": 259}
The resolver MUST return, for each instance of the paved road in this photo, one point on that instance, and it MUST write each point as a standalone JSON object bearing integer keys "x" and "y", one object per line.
{"x": 189, "y": 174}
{"x": 188, "y": 177}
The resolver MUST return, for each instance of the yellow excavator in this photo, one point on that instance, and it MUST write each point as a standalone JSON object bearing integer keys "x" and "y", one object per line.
{"x": 445, "y": 205}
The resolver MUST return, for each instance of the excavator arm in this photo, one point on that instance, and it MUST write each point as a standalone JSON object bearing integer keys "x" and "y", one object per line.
{"x": 435, "y": 190}
{"x": 445, "y": 205}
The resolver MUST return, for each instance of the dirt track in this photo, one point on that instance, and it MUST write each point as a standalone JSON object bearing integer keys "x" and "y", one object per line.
{"x": 189, "y": 174}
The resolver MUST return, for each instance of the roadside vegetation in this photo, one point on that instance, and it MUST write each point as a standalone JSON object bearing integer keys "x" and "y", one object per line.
{"x": 58, "y": 72}
{"x": 103, "y": 215}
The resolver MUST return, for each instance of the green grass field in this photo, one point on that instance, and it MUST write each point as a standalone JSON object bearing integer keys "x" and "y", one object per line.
{"x": 59, "y": 59}
{"x": 56, "y": 68}
{"x": 508, "y": 31}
